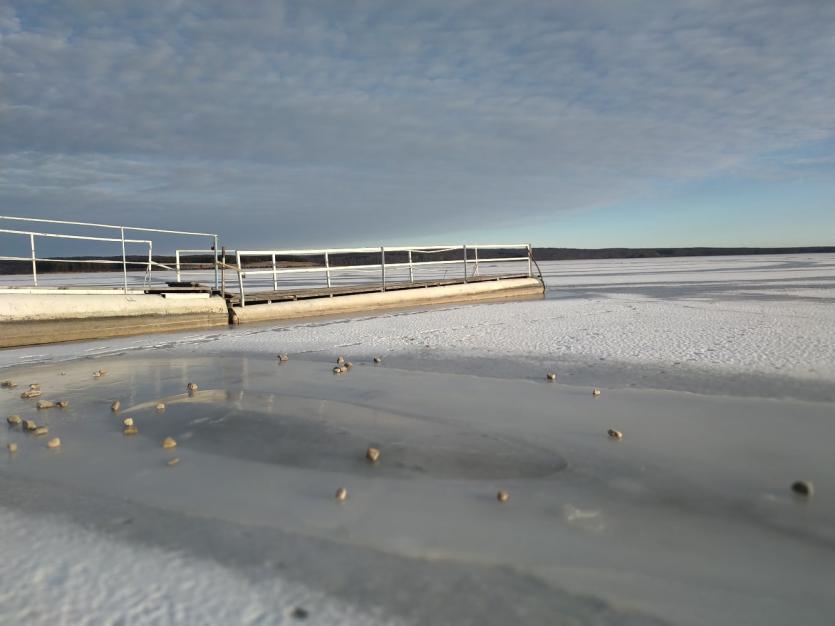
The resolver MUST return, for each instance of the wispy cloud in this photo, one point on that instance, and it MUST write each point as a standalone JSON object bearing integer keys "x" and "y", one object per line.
{"x": 327, "y": 122}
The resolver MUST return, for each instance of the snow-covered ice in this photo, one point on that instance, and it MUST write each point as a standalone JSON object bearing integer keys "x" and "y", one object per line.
{"x": 719, "y": 371}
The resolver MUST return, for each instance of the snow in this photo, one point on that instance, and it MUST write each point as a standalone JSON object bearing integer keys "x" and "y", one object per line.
{"x": 688, "y": 520}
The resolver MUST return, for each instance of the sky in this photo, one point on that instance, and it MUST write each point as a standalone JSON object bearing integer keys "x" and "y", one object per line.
{"x": 571, "y": 124}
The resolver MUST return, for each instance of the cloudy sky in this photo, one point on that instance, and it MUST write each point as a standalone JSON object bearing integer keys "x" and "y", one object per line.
{"x": 586, "y": 124}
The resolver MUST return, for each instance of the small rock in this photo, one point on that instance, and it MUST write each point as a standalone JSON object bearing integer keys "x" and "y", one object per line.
{"x": 13, "y": 420}
{"x": 62, "y": 404}
{"x": 53, "y": 443}
{"x": 40, "y": 430}
{"x": 29, "y": 425}
{"x": 341, "y": 494}
{"x": 551, "y": 376}
{"x": 340, "y": 360}
{"x": 377, "y": 359}
{"x": 595, "y": 392}
{"x": 160, "y": 407}
{"x": 172, "y": 461}
{"x": 372, "y": 454}
{"x": 32, "y": 393}
{"x": 129, "y": 431}
{"x": 115, "y": 406}
{"x": 128, "y": 421}
{"x": 8, "y": 384}
{"x": 803, "y": 488}
{"x": 299, "y": 613}
{"x": 12, "y": 447}
{"x": 614, "y": 434}
{"x": 45, "y": 404}
{"x": 502, "y": 496}
{"x": 169, "y": 442}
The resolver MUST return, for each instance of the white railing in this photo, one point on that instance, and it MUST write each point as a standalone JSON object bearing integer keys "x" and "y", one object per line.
{"x": 121, "y": 239}
{"x": 382, "y": 270}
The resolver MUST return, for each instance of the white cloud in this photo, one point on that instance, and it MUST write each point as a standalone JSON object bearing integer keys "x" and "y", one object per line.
{"x": 376, "y": 117}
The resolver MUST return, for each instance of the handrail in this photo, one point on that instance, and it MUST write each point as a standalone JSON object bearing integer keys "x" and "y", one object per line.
{"x": 328, "y": 269}
{"x": 122, "y": 240}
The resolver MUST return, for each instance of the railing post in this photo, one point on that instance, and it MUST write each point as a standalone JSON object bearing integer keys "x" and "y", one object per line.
{"x": 177, "y": 263}
{"x": 475, "y": 273}
{"x": 465, "y": 262}
{"x": 124, "y": 260}
{"x": 275, "y": 275}
{"x": 240, "y": 278}
{"x": 34, "y": 261}
{"x": 150, "y": 260}
{"x": 411, "y": 269}
{"x": 530, "y": 261}
{"x": 223, "y": 275}
{"x": 327, "y": 270}
{"x": 383, "y": 265}
{"x": 214, "y": 247}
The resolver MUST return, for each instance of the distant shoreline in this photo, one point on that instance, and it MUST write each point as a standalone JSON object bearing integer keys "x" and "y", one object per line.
{"x": 69, "y": 264}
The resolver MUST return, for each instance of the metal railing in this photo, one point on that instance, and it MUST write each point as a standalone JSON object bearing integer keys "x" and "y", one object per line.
{"x": 382, "y": 270}
{"x": 121, "y": 239}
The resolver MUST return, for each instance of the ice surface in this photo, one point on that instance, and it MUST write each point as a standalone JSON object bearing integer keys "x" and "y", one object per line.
{"x": 688, "y": 520}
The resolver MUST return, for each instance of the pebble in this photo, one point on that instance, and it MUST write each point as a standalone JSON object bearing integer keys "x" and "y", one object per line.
{"x": 45, "y": 404}
{"x": 131, "y": 430}
{"x": 377, "y": 359}
{"x": 128, "y": 421}
{"x": 12, "y": 447}
{"x": 29, "y": 425}
{"x": 372, "y": 454}
{"x": 173, "y": 461}
{"x": 803, "y": 488}
{"x": 160, "y": 407}
{"x": 8, "y": 384}
{"x": 115, "y": 406}
{"x": 502, "y": 496}
{"x": 595, "y": 392}
{"x": 341, "y": 494}
{"x": 40, "y": 430}
{"x": 32, "y": 393}
{"x": 13, "y": 420}
{"x": 169, "y": 442}
{"x": 551, "y": 376}
{"x": 614, "y": 434}
{"x": 53, "y": 443}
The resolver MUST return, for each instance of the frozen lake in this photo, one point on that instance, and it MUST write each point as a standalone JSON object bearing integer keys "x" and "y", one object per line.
{"x": 719, "y": 372}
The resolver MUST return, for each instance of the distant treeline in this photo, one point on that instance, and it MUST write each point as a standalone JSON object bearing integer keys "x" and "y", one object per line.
{"x": 84, "y": 264}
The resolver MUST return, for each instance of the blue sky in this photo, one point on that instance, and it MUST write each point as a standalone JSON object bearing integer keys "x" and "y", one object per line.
{"x": 591, "y": 124}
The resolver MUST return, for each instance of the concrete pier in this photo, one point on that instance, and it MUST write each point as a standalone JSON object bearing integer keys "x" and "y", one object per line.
{"x": 380, "y": 300}
{"x": 38, "y": 318}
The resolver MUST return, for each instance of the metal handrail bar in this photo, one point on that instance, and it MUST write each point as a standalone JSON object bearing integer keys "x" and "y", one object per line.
{"x": 57, "y": 236}
{"x": 97, "y": 225}
{"x": 333, "y": 268}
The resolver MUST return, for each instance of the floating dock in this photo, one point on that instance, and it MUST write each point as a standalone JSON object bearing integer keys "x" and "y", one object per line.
{"x": 189, "y": 290}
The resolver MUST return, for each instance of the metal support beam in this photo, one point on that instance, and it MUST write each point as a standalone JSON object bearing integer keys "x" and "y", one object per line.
{"x": 34, "y": 261}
